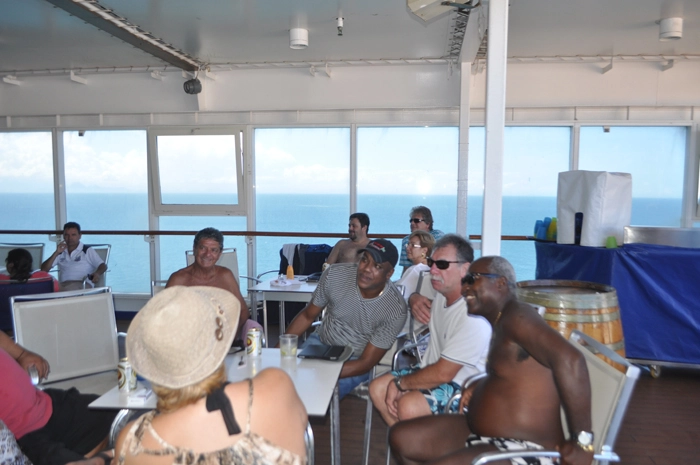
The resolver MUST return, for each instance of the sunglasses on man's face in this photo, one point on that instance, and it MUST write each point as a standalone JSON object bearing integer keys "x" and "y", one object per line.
{"x": 441, "y": 264}
{"x": 470, "y": 278}
{"x": 416, "y": 220}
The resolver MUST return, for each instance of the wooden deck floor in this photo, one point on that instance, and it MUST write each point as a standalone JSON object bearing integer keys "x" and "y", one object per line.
{"x": 662, "y": 426}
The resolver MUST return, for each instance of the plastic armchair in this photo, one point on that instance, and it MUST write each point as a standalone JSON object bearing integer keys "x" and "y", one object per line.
{"x": 611, "y": 391}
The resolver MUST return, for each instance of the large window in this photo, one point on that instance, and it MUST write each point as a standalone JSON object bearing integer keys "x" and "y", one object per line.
{"x": 198, "y": 171}
{"x": 402, "y": 167}
{"x": 654, "y": 156}
{"x": 106, "y": 189}
{"x": 302, "y": 184}
{"x": 26, "y": 187}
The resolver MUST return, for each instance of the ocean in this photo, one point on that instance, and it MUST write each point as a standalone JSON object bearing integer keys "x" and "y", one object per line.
{"x": 129, "y": 262}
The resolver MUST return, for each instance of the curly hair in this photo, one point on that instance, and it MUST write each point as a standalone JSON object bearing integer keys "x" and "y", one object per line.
{"x": 21, "y": 261}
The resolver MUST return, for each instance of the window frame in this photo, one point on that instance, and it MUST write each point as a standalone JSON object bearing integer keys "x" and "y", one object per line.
{"x": 165, "y": 209}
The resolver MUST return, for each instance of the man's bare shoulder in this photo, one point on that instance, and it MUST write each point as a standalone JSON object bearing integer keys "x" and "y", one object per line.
{"x": 180, "y": 278}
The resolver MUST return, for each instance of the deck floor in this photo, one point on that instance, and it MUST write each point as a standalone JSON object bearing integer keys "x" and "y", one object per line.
{"x": 662, "y": 425}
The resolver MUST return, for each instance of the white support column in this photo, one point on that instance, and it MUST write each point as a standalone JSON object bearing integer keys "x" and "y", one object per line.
{"x": 495, "y": 126}
{"x": 691, "y": 189}
{"x": 353, "y": 168}
{"x": 59, "y": 179}
{"x": 463, "y": 161}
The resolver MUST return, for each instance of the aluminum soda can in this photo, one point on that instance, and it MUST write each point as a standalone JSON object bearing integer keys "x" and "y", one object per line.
{"x": 126, "y": 376}
{"x": 253, "y": 342}
{"x": 34, "y": 375}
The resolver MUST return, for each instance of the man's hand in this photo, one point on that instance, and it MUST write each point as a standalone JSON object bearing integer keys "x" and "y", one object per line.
{"x": 572, "y": 454}
{"x": 61, "y": 247}
{"x": 392, "y": 399}
{"x": 420, "y": 308}
{"x": 28, "y": 358}
{"x": 466, "y": 397}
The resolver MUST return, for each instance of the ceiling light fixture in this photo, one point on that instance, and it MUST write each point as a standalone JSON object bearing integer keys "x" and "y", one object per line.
{"x": 298, "y": 38}
{"x": 670, "y": 29}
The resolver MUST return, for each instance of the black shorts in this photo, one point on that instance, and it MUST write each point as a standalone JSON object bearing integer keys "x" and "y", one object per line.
{"x": 72, "y": 431}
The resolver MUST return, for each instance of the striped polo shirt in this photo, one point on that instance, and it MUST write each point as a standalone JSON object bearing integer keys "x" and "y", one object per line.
{"x": 353, "y": 320}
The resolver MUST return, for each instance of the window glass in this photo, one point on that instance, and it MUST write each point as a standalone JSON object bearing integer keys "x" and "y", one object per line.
{"x": 402, "y": 167}
{"x": 106, "y": 189}
{"x": 26, "y": 188}
{"x": 302, "y": 184}
{"x": 198, "y": 169}
{"x": 532, "y": 160}
{"x": 654, "y": 156}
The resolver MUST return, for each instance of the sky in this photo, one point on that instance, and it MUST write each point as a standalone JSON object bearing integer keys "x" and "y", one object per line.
{"x": 395, "y": 160}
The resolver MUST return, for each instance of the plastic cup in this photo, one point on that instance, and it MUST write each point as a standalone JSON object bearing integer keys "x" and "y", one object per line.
{"x": 611, "y": 242}
{"x": 288, "y": 345}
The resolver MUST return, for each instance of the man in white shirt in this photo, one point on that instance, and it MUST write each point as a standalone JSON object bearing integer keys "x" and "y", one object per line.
{"x": 75, "y": 260}
{"x": 458, "y": 342}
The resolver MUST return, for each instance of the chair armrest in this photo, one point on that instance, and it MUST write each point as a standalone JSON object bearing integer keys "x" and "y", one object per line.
{"x": 250, "y": 278}
{"x": 466, "y": 384}
{"x": 266, "y": 272}
{"x": 487, "y": 457}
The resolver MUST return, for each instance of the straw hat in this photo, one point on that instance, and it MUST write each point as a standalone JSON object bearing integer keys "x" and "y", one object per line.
{"x": 182, "y": 335}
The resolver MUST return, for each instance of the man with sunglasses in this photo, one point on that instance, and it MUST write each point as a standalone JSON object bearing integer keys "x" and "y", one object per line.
{"x": 533, "y": 372}
{"x": 457, "y": 348}
{"x": 420, "y": 218}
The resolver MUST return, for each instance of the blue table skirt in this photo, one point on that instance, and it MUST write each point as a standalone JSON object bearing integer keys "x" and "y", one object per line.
{"x": 658, "y": 288}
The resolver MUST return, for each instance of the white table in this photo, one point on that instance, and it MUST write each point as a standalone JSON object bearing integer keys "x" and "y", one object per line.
{"x": 294, "y": 293}
{"x": 314, "y": 380}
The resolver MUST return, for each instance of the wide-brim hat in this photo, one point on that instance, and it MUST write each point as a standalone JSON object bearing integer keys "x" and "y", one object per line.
{"x": 182, "y": 335}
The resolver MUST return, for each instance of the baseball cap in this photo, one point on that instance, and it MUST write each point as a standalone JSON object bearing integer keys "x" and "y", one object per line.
{"x": 382, "y": 251}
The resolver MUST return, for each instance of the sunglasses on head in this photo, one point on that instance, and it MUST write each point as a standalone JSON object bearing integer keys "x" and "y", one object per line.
{"x": 416, "y": 220}
{"x": 470, "y": 278}
{"x": 441, "y": 264}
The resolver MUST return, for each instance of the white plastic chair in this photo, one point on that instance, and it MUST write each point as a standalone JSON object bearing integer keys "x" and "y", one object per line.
{"x": 35, "y": 249}
{"x": 75, "y": 331}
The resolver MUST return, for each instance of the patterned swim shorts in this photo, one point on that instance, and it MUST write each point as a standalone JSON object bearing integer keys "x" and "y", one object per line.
{"x": 511, "y": 445}
{"x": 437, "y": 397}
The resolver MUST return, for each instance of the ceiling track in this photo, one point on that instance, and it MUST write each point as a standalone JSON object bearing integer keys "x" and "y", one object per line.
{"x": 105, "y": 19}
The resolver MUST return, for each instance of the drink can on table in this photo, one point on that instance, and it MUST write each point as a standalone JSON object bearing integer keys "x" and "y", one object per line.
{"x": 253, "y": 342}
{"x": 126, "y": 376}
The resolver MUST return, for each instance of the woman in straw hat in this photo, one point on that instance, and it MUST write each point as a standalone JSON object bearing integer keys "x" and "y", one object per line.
{"x": 178, "y": 341}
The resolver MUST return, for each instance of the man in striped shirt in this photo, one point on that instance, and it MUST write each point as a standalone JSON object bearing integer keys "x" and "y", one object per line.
{"x": 364, "y": 310}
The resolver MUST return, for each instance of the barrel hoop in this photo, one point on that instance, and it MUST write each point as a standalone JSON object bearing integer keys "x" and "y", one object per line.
{"x": 587, "y": 318}
{"x": 620, "y": 345}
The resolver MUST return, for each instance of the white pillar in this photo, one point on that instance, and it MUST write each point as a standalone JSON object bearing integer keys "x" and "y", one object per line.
{"x": 495, "y": 126}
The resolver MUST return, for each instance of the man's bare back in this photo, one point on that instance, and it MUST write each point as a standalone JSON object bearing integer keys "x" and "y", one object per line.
{"x": 346, "y": 251}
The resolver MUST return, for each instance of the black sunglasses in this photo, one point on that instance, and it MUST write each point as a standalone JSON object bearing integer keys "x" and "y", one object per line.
{"x": 416, "y": 220}
{"x": 441, "y": 264}
{"x": 470, "y": 278}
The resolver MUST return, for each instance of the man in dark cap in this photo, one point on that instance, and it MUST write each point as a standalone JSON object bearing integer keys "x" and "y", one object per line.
{"x": 364, "y": 310}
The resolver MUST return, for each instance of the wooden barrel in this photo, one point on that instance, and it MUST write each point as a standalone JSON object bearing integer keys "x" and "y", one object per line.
{"x": 591, "y": 308}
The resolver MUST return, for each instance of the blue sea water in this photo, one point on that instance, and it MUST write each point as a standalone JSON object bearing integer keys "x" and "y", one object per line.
{"x": 129, "y": 262}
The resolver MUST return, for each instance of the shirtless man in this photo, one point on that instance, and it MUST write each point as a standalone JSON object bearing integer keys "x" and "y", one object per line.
{"x": 532, "y": 371}
{"x": 208, "y": 244}
{"x": 345, "y": 250}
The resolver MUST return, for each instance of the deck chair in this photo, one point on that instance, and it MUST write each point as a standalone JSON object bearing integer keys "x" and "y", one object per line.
{"x": 75, "y": 331}
{"x": 103, "y": 251}
{"x": 611, "y": 391}
{"x": 35, "y": 249}
{"x": 157, "y": 286}
{"x": 10, "y": 289}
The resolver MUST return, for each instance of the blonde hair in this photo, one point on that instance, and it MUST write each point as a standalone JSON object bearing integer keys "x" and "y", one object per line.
{"x": 426, "y": 239}
{"x": 170, "y": 400}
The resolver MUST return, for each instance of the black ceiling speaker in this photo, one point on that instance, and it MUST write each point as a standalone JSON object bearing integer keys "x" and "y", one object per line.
{"x": 193, "y": 86}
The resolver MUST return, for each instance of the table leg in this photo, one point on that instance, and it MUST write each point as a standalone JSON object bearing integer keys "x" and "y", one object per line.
{"x": 265, "y": 320}
{"x": 335, "y": 427}
{"x": 282, "y": 322}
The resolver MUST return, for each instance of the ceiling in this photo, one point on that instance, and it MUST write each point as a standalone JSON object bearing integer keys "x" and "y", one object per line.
{"x": 39, "y": 38}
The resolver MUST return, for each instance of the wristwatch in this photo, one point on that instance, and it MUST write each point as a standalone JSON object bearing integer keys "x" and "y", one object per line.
{"x": 397, "y": 382}
{"x": 585, "y": 441}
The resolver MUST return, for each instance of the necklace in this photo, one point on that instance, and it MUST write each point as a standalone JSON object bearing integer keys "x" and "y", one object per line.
{"x": 498, "y": 317}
